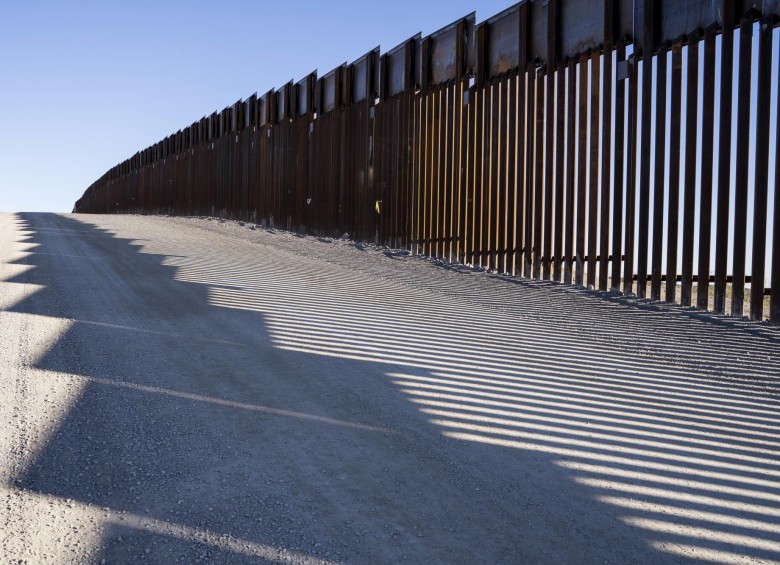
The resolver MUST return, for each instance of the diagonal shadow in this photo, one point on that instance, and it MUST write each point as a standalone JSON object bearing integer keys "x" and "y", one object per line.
{"x": 306, "y": 409}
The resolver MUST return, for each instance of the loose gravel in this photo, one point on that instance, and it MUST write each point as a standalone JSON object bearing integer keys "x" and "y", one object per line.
{"x": 193, "y": 390}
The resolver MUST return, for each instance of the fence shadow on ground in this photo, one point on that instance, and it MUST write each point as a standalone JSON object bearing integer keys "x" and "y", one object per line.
{"x": 239, "y": 405}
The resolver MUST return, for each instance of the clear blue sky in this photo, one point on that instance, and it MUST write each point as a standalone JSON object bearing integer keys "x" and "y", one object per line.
{"x": 86, "y": 84}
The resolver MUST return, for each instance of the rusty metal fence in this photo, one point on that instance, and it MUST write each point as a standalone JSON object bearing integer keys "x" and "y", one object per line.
{"x": 597, "y": 144}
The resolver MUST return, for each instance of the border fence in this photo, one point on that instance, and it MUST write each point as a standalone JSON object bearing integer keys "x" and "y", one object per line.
{"x": 622, "y": 145}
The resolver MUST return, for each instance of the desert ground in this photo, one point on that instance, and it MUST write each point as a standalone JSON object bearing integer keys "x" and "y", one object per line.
{"x": 195, "y": 390}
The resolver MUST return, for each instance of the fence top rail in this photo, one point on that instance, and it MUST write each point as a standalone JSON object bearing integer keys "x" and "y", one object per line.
{"x": 398, "y": 68}
{"x": 539, "y": 32}
{"x": 364, "y": 77}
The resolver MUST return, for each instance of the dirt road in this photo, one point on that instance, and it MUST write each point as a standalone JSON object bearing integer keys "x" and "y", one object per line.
{"x": 184, "y": 390}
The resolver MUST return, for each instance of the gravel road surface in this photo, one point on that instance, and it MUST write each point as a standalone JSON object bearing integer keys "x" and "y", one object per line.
{"x": 196, "y": 391}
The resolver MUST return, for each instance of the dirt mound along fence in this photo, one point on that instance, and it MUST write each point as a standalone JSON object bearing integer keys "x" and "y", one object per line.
{"x": 598, "y": 147}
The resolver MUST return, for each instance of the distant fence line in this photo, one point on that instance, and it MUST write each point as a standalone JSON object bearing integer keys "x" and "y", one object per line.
{"x": 523, "y": 144}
